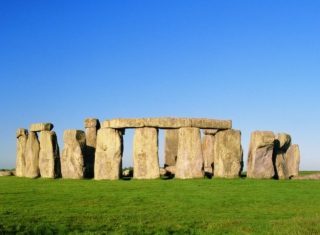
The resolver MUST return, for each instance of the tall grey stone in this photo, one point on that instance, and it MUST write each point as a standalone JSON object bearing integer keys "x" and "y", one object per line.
{"x": 72, "y": 160}
{"x": 171, "y": 146}
{"x": 282, "y": 143}
{"x": 260, "y": 157}
{"x": 190, "y": 160}
{"x": 293, "y": 160}
{"x": 22, "y": 135}
{"x": 208, "y": 141}
{"x": 227, "y": 149}
{"x": 32, "y": 156}
{"x": 145, "y": 153}
{"x": 108, "y": 159}
{"x": 49, "y": 157}
{"x": 92, "y": 125}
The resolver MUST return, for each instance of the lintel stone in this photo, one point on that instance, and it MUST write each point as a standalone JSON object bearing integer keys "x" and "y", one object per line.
{"x": 167, "y": 123}
{"x": 41, "y": 127}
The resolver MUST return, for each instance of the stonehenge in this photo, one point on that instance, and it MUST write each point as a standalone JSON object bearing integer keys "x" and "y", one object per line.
{"x": 193, "y": 148}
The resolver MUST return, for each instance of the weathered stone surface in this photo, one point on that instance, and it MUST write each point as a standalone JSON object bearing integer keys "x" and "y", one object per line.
{"x": 281, "y": 171}
{"x": 145, "y": 153}
{"x": 108, "y": 159}
{"x": 210, "y": 131}
{"x": 283, "y": 141}
{"x": 190, "y": 160}
{"x": 22, "y": 135}
{"x": 293, "y": 160}
{"x": 260, "y": 159}
{"x": 171, "y": 146}
{"x": 281, "y": 145}
{"x": 72, "y": 160}
{"x": 167, "y": 122}
{"x": 92, "y": 125}
{"x": 208, "y": 152}
{"x": 227, "y": 149}
{"x": 21, "y": 132}
{"x": 49, "y": 157}
{"x": 307, "y": 177}
{"x": 32, "y": 156}
{"x": 171, "y": 170}
{"x": 41, "y": 127}
{"x": 6, "y": 173}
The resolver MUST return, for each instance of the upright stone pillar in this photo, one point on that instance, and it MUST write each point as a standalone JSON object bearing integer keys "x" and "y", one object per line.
{"x": 92, "y": 125}
{"x": 208, "y": 150}
{"x": 32, "y": 156}
{"x": 282, "y": 143}
{"x": 108, "y": 159}
{"x": 49, "y": 157}
{"x": 72, "y": 160}
{"x": 293, "y": 160}
{"x": 145, "y": 154}
{"x": 22, "y": 135}
{"x": 190, "y": 160}
{"x": 171, "y": 146}
{"x": 261, "y": 159}
{"x": 228, "y": 160}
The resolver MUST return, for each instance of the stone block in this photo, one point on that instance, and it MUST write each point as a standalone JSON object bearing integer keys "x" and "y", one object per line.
{"x": 189, "y": 160}
{"x": 36, "y": 127}
{"x": 145, "y": 153}
{"x": 108, "y": 156}
{"x": 228, "y": 159}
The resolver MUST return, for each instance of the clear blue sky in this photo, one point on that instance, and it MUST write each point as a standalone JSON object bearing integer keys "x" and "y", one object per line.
{"x": 255, "y": 62}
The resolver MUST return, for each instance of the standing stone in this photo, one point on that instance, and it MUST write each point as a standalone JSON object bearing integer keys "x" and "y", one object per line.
{"x": 72, "y": 160}
{"x": 108, "y": 159}
{"x": 22, "y": 135}
{"x": 91, "y": 125}
{"x": 208, "y": 152}
{"x": 282, "y": 143}
{"x": 228, "y": 160}
{"x": 171, "y": 146}
{"x": 32, "y": 156}
{"x": 49, "y": 157}
{"x": 293, "y": 160}
{"x": 145, "y": 153}
{"x": 260, "y": 158}
{"x": 190, "y": 160}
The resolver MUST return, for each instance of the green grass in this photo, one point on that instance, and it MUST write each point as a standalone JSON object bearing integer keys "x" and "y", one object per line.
{"x": 240, "y": 206}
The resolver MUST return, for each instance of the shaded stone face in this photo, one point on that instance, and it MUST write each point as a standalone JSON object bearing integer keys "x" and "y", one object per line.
{"x": 92, "y": 125}
{"x": 72, "y": 160}
{"x": 108, "y": 156}
{"x": 208, "y": 152}
{"x": 49, "y": 157}
{"x": 36, "y": 127}
{"x": 190, "y": 160}
{"x": 171, "y": 146}
{"x": 145, "y": 154}
{"x": 260, "y": 159}
{"x": 32, "y": 156}
{"x": 22, "y": 135}
{"x": 281, "y": 145}
{"x": 227, "y": 154}
{"x": 293, "y": 160}
{"x": 167, "y": 123}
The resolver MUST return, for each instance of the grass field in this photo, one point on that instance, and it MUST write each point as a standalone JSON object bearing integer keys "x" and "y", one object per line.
{"x": 240, "y": 206}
